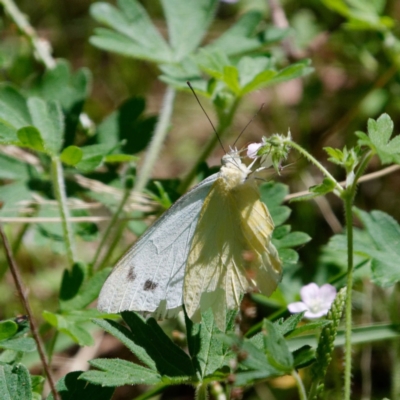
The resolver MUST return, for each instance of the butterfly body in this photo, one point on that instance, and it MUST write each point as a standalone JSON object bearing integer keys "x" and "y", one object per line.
{"x": 194, "y": 253}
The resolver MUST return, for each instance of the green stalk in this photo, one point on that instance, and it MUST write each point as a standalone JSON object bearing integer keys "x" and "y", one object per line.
{"x": 348, "y": 197}
{"x": 300, "y": 386}
{"x": 110, "y": 226}
{"x": 209, "y": 147}
{"x": 314, "y": 161}
{"x": 394, "y": 316}
{"x": 348, "y": 203}
{"x": 157, "y": 140}
{"x": 201, "y": 392}
{"x": 57, "y": 177}
{"x": 42, "y": 48}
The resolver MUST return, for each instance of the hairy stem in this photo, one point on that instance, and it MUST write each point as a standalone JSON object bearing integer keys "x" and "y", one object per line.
{"x": 348, "y": 203}
{"x": 25, "y": 302}
{"x": 59, "y": 192}
{"x": 42, "y": 47}
{"x": 314, "y": 161}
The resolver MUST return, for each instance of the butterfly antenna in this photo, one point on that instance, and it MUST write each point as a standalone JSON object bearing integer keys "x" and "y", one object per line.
{"x": 204, "y": 111}
{"x": 255, "y": 115}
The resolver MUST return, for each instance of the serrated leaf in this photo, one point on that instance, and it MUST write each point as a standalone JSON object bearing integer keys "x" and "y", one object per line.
{"x": 116, "y": 372}
{"x": 71, "y": 387}
{"x": 276, "y": 349}
{"x": 243, "y": 37}
{"x": 208, "y": 350}
{"x": 30, "y": 137}
{"x": 187, "y": 23}
{"x": 169, "y": 358}
{"x": 49, "y": 120}
{"x": 125, "y": 336}
{"x": 71, "y": 155}
{"x": 23, "y": 344}
{"x": 15, "y": 382}
{"x": 135, "y": 34}
{"x": 288, "y": 325}
{"x": 385, "y": 234}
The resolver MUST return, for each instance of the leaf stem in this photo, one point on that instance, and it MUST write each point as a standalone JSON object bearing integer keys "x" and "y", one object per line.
{"x": 25, "y": 302}
{"x": 314, "y": 161}
{"x": 223, "y": 126}
{"x": 201, "y": 391}
{"x": 110, "y": 226}
{"x": 59, "y": 192}
{"x": 157, "y": 140}
{"x": 41, "y": 46}
{"x": 300, "y": 386}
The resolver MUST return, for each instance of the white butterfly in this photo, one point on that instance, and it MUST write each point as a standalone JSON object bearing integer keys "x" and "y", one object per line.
{"x": 193, "y": 254}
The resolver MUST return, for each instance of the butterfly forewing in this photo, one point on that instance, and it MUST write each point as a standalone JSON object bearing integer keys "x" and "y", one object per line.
{"x": 149, "y": 277}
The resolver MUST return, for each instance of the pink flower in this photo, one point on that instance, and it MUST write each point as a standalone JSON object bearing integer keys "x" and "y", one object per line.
{"x": 316, "y": 301}
{"x": 252, "y": 149}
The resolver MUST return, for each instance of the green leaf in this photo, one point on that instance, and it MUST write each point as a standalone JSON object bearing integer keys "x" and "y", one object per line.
{"x": 13, "y": 169}
{"x": 127, "y": 124}
{"x": 119, "y": 158}
{"x": 71, "y": 387}
{"x": 275, "y": 346}
{"x": 379, "y": 132}
{"x": 7, "y": 329}
{"x": 311, "y": 326}
{"x": 303, "y": 357}
{"x": 23, "y": 344}
{"x": 48, "y": 119}
{"x": 15, "y": 382}
{"x": 242, "y": 36}
{"x": 71, "y": 155}
{"x": 385, "y": 234}
{"x": 272, "y": 194}
{"x": 85, "y": 293}
{"x": 13, "y": 108}
{"x": 292, "y": 239}
{"x": 92, "y": 156}
{"x": 116, "y": 372}
{"x": 136, "y": 35}
{"x": 170, "y": 359}
{"x": 126, "y": 337}
{"x": 285, "y": 327}
{"x": 207, "y": 348}
{"x": 69, "y": 324}
{"x": 187, "y": 23}
{"x": 30, "y": 137}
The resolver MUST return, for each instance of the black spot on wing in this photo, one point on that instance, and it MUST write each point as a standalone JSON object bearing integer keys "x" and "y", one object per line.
{"x": 131, "y": 275}
{"x": 149, "y": 285}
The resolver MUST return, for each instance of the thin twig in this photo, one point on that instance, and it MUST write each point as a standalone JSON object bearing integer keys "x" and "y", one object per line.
{"x": 364, "y": 178}
{"x": 25, "y": 302}
{"x": 41, "y": 46}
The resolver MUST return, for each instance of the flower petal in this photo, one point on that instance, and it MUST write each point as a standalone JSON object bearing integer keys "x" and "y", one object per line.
{"x": 252, "y": 149}
{"x": 314, "y": 315}
{"x": 327, "y": 293}
{"x": 297, "y": 307}
{"x": 309, "y": 293}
